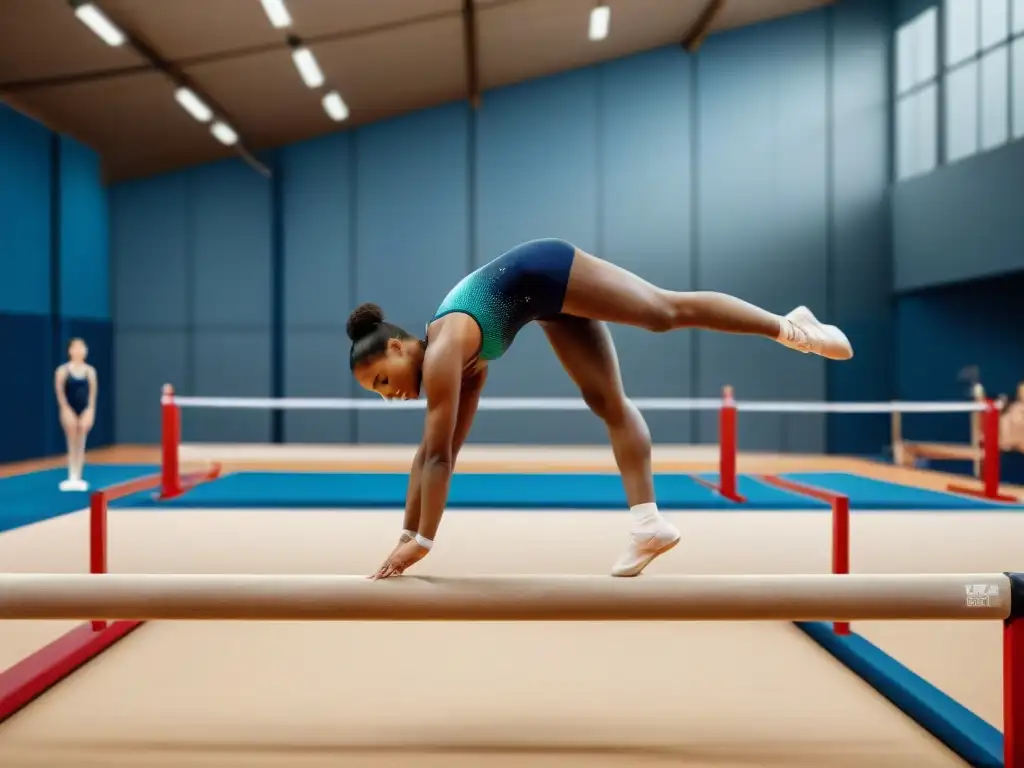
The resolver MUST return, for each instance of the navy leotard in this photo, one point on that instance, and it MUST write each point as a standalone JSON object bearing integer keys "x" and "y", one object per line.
{"x": 76, "y": 390}
{"x": 524, "y": 284}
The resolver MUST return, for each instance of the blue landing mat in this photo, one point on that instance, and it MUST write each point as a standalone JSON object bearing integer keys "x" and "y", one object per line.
{"x": 276, "y": 490}
{"x": 970, "y": 737}
{"x": 32, "y": 497}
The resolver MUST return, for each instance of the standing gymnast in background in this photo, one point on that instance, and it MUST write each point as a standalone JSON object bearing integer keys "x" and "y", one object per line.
{"x": 76, "y": 385}
{"x": 571, "y": 295}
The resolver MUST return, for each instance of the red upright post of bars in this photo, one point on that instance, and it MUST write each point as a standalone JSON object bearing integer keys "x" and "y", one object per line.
{"x": 1013, "y": 676}
{"x": 727, "y": 446}
{"x": 990, "y": 459}
{"x": 990, "y": 450}
{"x": 170, "y": 484}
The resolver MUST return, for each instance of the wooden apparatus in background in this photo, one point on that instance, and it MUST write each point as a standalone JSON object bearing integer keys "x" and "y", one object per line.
{"x": 905, "y": 452}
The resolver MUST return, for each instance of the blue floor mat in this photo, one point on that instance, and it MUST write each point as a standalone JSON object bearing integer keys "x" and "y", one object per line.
{"x": 256, "y": 490}
{"x": 471, "y": 490}
{"x": 867, "y": 493}
{"x": 32, "y": 497}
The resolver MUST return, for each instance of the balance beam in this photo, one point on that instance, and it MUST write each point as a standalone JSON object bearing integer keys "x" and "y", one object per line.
{"x": 829, "y": 597}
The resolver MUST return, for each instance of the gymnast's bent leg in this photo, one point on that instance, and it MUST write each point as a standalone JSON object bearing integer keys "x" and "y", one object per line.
{"x": 600, "y": 290}
{"x": 587, "y": 352}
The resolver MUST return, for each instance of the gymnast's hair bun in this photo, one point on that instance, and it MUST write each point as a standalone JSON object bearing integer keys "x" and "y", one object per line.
{"x": 364, "y": 320}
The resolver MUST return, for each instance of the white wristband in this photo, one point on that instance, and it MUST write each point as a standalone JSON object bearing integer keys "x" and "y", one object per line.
{"x": 424, "y": 541}
{"x": 407, "y": 534}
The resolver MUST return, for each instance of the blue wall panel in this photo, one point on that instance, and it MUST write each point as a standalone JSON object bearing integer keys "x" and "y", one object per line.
{"x": 537, "y": 150}
{"x": 645, "y": 214}
{"x": 151, "y": 232}
{"x": 145, "y": 361}
{"x": 26, "y": 392}
{"x": 960, "y": 222}
{"x": 317, "y": 243}
{"x": 861, "y": 247}
{"x": 317, "y": 226}
{"x": 412, "y": 233}
{"x": 25, "y": 184}
{"x": 316, "y": 365}
{"x": 84, "y": 236}
{"x": 230, "y": 364}
{"x": 763, "y": 213}
{"x": 231, "y": 254}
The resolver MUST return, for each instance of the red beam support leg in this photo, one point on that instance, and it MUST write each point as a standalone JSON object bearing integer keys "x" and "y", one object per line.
{"x": 841, "y": 547}
{"x": 1013, "y": 676}
{"x": 98, "y": 540}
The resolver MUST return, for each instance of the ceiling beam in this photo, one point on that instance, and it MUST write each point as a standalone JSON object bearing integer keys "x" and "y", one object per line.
{"x": 701, "y": 25}
{"x": 142, "y": 47}
{"x": 470, "y": 48}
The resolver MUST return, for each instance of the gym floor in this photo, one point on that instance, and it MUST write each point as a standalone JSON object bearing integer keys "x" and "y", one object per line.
{"x": 694, "y": 694}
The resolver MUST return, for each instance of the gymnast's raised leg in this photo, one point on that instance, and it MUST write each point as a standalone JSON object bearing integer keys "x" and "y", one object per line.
{"x": 600, "y": 290}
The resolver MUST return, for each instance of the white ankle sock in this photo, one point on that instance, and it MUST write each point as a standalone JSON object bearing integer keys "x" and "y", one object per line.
{"x": 645, "y": 513}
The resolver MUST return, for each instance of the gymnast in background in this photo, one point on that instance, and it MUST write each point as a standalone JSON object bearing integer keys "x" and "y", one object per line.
{"x": 76, "y": 385}
{"x": 1011, "y": 421}
{"x": 571, "y": 295}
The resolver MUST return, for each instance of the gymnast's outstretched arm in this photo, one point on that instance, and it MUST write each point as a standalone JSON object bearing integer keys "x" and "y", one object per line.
{"x": 469, "y": 399}
{"x": 442, "y": 379}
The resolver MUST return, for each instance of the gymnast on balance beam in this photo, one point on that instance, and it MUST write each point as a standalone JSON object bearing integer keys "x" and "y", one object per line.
{"x": 571, "y": 295}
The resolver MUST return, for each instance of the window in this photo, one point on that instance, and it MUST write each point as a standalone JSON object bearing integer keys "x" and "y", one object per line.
{"x": 983, "y": 101}
{"x": 917, "y": 95}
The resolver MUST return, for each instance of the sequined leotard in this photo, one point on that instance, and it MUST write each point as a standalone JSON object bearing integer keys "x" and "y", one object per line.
{"x": 522, "y": 285}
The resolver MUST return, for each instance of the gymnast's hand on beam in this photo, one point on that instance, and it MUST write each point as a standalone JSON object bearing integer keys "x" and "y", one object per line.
{"x": 405, "y": 555}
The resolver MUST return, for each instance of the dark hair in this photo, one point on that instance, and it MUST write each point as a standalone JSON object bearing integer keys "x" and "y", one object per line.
{"x": 370, "y": 333}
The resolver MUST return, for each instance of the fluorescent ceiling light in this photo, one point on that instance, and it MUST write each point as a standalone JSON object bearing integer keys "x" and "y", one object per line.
{"x": 309, "y": 70}
{"x": 223, "y": 133}
{"x": 599, "y": 18}
{"x": 334, "y": 106}
{"x": 98, "y": 22}
{"x": 193, "y": 104}
{"x": 277, "y": 13}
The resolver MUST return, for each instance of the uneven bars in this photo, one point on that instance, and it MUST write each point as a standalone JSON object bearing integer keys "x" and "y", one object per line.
{"x": 810, "y": 597}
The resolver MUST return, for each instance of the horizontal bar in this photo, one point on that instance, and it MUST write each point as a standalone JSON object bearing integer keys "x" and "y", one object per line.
{"x": 576, "y": 404}
{"x": 505, "y": 598}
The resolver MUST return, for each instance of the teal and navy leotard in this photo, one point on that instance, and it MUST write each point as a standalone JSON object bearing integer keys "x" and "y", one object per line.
{"x": 522, "y": 285}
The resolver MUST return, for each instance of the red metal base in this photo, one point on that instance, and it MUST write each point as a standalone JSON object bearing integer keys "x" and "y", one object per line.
{"x": 725, "y": 494}
{"x": 187, "y": 482}
{"x": 34, "y": 674}
{"x": 1013, "y": 694}
{"x": 980, "y": 493}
